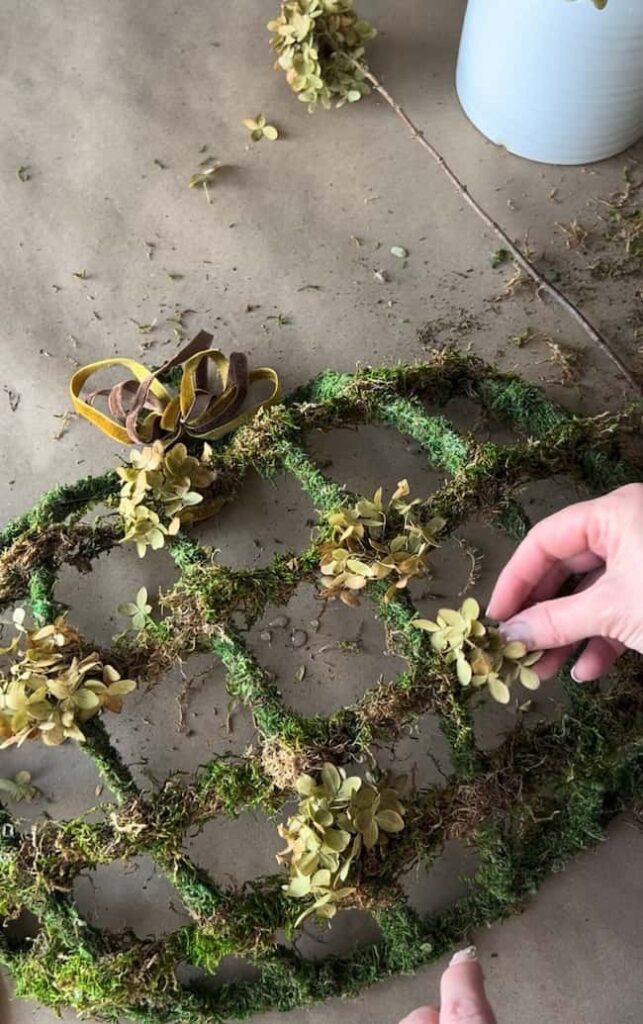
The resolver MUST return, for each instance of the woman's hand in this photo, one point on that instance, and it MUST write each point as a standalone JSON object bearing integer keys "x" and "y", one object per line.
{"x": 462, "y": 995}
{"x": 600, "y": 540}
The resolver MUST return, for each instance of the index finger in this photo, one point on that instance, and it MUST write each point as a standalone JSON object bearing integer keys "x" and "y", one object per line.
{"x": 463, "y": 996}
{"x": 560, "y": 537}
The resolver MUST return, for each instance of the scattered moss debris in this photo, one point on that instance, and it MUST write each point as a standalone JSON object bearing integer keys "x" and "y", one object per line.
{"x": 623, "y": 213}
{"x": 575, "y": 234}
{"x": 517, "y": 281}
{"x": 526, "y": 807}
{"x": 499, "y": 257}
{"x": 570, "y": 361}
{"x": 524, "y": 337}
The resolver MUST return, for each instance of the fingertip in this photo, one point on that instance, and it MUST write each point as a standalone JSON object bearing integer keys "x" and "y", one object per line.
{"x": 519, "y": 629}
{"x": 465, "y": 976}
{"x": 464, "y": 956}
{"x": 463, "y": 995}
{"x": 500, "y": 604}
{"x": 560, "y": 622}
{"x": 552, "y": 662}
{"x": 425, "y": 1015}
{"x": 560, "y": 538}
{"x": 597, "y": 659}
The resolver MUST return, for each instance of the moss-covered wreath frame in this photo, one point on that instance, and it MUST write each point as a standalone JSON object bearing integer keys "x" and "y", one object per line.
{"x": 526, "y": 807}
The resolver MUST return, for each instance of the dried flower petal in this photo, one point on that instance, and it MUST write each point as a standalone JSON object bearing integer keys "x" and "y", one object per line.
{"x": 260, "y": 129}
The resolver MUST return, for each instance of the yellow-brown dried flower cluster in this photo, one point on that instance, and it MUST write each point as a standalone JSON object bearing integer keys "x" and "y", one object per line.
{"x": 158, "y": 491}
{"x": 363, "y": 548}
{"x": 320, "y": 46}
{"x": 480, "y": 654}
{"x": 49, "y": 689}
{"x": 337, "y": 820}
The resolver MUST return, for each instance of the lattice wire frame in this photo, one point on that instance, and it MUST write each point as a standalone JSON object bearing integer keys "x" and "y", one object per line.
{"x": 528, "y": 806}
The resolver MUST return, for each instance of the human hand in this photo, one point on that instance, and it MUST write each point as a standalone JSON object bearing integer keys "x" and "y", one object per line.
{"x": 462, "y": 995}
{"x": 601, "y": 540}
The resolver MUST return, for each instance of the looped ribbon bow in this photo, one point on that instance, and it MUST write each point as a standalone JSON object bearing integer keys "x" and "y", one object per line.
{"x": 143, "y": 410}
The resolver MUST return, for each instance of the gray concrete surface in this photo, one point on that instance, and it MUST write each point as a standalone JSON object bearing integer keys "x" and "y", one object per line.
{"x": 91, "y": 96}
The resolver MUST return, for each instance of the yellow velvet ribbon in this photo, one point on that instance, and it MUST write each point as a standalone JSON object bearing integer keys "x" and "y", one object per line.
{"x": 144, "y": 410}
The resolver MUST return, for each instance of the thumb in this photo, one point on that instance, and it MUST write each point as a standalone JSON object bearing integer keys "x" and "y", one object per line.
{"x": 559, "y": 622}
{"x": 462, "y": 992}
{"x": 427, "y": 1015}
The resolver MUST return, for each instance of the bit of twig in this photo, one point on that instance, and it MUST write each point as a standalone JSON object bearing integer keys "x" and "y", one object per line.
{"x": 570, "y": 361}
{"x": 517, "y": 281}
{"x": 144, "y": 328}
{"x": 183, "y": 696}
{"x": 281, "y": 319}
{"x": 523, "y": 338}
{"x": 575, "y": 234}
{"x": 232, "y": 708}
{"x": 66, "y": 419}
{"x": 201, "y": 179}
{"x": 178, "y": 319}
{"x": 475, "y": 568}
{"x": 620, "y": 199}
{"x": 13, "y": 396}
{"x": 182, "y": 703}
{"x": 543, "y": 286}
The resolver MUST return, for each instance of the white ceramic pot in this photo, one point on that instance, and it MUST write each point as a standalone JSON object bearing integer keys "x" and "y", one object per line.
{"x": 558, "y": 81}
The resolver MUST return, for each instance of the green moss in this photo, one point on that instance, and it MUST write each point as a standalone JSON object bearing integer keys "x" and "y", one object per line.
{"x": 521, "y": 404}
{"x": 527, "y": 807}
{"x": 324, "y": 494}
{"x": 41, "y": 595}
{"x": 61, "y": 502}
{"x": 109, "y": 764}
{"x": 444, "y": 447}
{"x": 236, "y": 786}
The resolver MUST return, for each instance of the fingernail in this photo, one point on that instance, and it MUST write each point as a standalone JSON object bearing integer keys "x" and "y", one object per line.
{"x": 464, "y": 956}
{"x": 575, "y": 676}
{"x": 512, "y": 631}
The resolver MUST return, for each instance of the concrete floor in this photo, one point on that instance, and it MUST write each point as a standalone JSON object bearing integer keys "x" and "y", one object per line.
{"x": 91, "y": 98}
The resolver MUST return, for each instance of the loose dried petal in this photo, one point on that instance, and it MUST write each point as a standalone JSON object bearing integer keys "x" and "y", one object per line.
{"x": 498, "y": 690}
